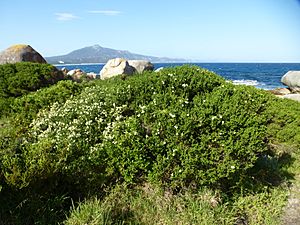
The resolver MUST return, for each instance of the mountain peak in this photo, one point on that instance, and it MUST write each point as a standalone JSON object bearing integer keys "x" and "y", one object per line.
{"x": 98, "y": 54}
{"x": 96, "y": 47}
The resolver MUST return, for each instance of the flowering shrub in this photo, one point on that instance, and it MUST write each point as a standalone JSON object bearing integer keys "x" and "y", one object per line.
{"x": 33, "y": 102}
{"x": 178, "y": 127}
{"x": 22, "y": 111}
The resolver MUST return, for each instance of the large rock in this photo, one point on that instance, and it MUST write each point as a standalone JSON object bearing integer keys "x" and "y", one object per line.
{"x": 75, "y": 72}
{"x": 116, "y": 67}
{"x": 141, "y": 65}
{"x": 295, "y": 97}
{"x": 292, "y": 80}
{"x": 20, "y": 53}
{"x": 280, "y": 91}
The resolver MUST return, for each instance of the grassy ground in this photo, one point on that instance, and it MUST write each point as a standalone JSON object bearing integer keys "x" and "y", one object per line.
{"x": 291, "y": 213}
{"x": 151, "y": 205}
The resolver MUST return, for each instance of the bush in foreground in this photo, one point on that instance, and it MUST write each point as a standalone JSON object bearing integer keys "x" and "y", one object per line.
{"x": 181, "y": 127}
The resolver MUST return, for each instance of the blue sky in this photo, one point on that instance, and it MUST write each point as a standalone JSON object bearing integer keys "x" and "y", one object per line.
{"x": 202, "y": 30}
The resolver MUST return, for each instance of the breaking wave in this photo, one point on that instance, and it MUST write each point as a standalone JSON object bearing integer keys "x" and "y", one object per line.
{"x": 247, "y": 82}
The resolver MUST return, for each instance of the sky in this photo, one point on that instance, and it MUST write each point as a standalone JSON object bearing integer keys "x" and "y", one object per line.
{"x": 197, "y": 30}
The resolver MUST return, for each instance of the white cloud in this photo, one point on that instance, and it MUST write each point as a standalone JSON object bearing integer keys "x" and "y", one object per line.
{"x": 65, "y": 16}
{"x": 106, "y": 12}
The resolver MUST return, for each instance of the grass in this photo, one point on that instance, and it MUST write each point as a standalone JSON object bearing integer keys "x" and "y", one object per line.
{"x": 151, "y": 205}
{"x": 292, "y": 210}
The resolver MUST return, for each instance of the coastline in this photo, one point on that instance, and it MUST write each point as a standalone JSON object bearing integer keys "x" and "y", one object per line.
{"x": 265, "y": 76}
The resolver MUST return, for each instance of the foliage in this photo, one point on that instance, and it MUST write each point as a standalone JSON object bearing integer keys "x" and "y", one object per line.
{"x": 27, "y": 206}
{"x": 20, "y": 78}
{"x": 284, "y": 127}
{"x": 24, "y": 109}
{"x": 43, "y": 204}
{"x": 182, "y": 128}
{"x": 33, "y": 102}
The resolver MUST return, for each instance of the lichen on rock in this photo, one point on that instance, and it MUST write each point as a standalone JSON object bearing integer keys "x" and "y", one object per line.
{"x": 20, "y": 53}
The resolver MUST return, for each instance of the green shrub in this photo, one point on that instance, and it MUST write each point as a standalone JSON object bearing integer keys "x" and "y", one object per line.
{"x": 180, "y": 127}
{"x": 21, "y": 206}
{"x": 183, "y": 128}
{"x": 284, "y": 126}
{"x": 23, "y": 109}
{"x": 33, "y": 102}
{"x": 20, "y": 78}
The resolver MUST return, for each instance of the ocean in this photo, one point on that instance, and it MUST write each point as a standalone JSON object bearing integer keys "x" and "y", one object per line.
{"x": 261, "y": 75}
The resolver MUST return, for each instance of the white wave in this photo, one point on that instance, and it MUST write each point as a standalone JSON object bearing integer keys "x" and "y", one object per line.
{"x": 247, "y": 82}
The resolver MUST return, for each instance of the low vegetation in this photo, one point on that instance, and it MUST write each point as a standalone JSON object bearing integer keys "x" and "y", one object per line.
{"x": 22, "y": 78}
{"x": 181, "y": 146}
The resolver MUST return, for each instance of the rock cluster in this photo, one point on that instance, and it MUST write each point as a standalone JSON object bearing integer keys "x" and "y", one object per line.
{"x": 280, "y": 91}
{"x": 119, "y": 66}
{"x": 292, "y": 80}
{"x": 78, "y": 74}
{"x": 20, "y": 53}
{"x": 141, "y": 65}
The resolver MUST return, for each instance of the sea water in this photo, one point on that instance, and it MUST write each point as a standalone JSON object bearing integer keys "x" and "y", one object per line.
{"x": 261, "y": 75}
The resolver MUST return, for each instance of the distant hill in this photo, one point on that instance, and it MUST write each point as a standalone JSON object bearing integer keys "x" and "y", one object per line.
{"x": 98, "y": 54}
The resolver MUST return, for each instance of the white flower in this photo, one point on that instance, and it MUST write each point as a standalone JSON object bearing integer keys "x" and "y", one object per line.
{"x": 172, "y": 115}
{"x": 232, "y": 167}
{"x": 185, "y": 85}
